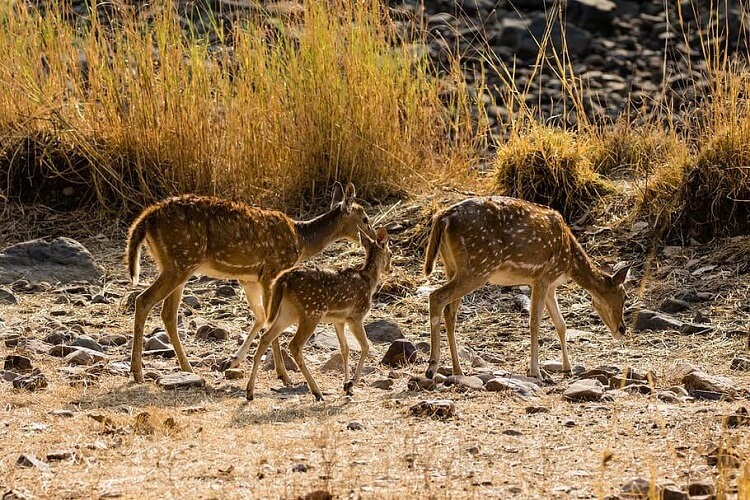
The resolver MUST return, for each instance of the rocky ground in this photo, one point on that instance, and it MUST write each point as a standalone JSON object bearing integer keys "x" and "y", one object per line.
{"x": 665, "y": 410}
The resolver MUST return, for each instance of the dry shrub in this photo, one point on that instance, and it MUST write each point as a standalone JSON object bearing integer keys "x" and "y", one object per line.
{"x": 630, "y": 150}
{"x": 551, "y": 167}
{"x": 271, "y": 109}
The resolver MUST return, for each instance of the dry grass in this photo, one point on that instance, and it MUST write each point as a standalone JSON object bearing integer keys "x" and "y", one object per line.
{"x": 551, "y": 167}
{"x": 129, "y": 111}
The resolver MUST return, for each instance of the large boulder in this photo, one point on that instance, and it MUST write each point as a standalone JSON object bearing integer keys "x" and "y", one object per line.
{"x": 62, "y": 260}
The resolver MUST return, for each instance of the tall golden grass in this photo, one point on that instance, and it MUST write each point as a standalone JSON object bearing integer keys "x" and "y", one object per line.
{"x": 135, "y": 108}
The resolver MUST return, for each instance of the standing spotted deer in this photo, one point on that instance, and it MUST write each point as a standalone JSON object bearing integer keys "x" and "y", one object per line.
{"x": 309, "y": 296}
{"x": 507, "y": 241}
{"x": 192, "y": 234}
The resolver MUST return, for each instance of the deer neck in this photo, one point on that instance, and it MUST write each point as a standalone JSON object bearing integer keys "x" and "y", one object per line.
{"x": 315, "y": 234}
{"x": 583, "y": 271}
{"x": 370, "y": 272}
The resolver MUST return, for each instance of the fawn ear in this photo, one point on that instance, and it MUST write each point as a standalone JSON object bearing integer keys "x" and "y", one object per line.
{"x": 381, "y": 236}
{"x": 620, "y": 276}
{"x": 337, "y": 195}
{"x": 349, "y": 197}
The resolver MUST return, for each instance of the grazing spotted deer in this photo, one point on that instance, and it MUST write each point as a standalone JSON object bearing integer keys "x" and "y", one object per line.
{"x": 225, "y": 239}
{"x": 507, "y": 241}
{"x": 309, "y": 296}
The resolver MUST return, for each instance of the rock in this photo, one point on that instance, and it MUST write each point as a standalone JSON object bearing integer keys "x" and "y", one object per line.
{"x": 584, "y": 390}
{"x": 701, "y": 318}
{"x": 523, "y": 389}
{"x": 289, "y": 363}
{"x": 740, "y": 418}
{"x": 62, "y": 413}
{"x": 234, "y": 373}
{"x": 692, "y": 329}
{"x": 61, "y": 260}
{"x": 651, "y": 320}
{"x": 60, "y": 351}
{"x": 327, "y": 339}
{"x": 32, "y": 382}
{"x": 100, "y": 299}
{"x": 522, "y": 303}
{"x": 532, "y": 410}
{"x": 400, "y": 353}
{"x": 385, "y": 384}
{"x": 467, "y": 382}
{"x": 191, "y": 301}
{"x": 88, "y": 343}
{"x": 672, "y": 492}
{"x": 300, "y": 468}
{"x": 155, "y": 344}
{"x": 635, "y": 488}
{"x": 698, "y": 383}
{"x": 552, "y": 366}
{"x": 421, "y": 384}
{"x": 569, "y": 422}
{"x": 225, "y": 291}
{"x": 208, "y": 332}
{"x": 423, "y": 347}
{"x": 383, "y": 332}
{"x": 334, "y": 364}
{"x": 84, "y": 356}
{"x": 113, "y": 340}
{"x": 7, "y": 297}
{"x": 58, "y": 337}
{"x": 722, "y": 456}
{"x": 468, "y": 354}
{"x": 9, "y": 376}
{"x": 168, "y": 353}
{"x": 180, "y": 380}
{"x": 355, "y": 426}
{"x": 578, "y": 40}
{"x": 58, "y": 455}
{"x": 672, "y": 306}
{"x": 29, "y": 460}
{"x": 594, "y": 15}
{"x": 694, "y": 296}
{"x": 698, "y": 488}
{"x": 17, "y": 363}
{"x": 435, "y": 408}
{"x": 512, "y": 432}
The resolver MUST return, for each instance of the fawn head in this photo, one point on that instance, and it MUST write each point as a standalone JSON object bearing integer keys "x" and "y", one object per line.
{"x": 352, "y": 217}
{"x": 610, "y": 303}
{"x": 377, "y": 249}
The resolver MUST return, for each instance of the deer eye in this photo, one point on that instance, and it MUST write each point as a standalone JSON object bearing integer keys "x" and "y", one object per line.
{"x": 365, "y": 220}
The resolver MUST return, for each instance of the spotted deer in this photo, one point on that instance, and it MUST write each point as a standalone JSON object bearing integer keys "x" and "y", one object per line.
{"x": 191, "y": 234}
{"x": 507, "y": 241}
{"x": 341, "y": 297}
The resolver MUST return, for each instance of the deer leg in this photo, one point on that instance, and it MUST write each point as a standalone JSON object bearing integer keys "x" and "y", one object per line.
{"x": 254, "y": 296}
{"x": 169, "y": 310}
{"x": 304, "y": 332}
{"x": 453, "y": 290}
{"x": 358, "y": 330}
{"x": 273, "y": 332}
{"x": 278, "y": 363}
{"x": 538, "y": 294}
{"x": 344, "y": 346}
{"x": 450, "y": 313}
{"x": 559, "y": 322}
{"x": 158, "y": 291}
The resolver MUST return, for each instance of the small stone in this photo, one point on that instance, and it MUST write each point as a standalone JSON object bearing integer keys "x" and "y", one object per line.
{"x": 522, "y": 303}
{"x": 421, "y": 384}
{"x": 225, "y": 291}
{"x": 400, "y": 353}
{"x": 100, "y": 299}
{"x": 672, "y": 492}
{"x": 738, "y": 419}
{"x": 701, "y": 318}
{"x": 191, "y": 301}
{"x": 17, "y": 363}
{"x": 651, "y": 320}
{"x": 693, "y": 329}
{"x": 29, "y": 460}
{"x": 7, "y": 297}
{"x": 334, "y": 364}
{"x": 531, "y": 410}
{"x": 423, "y": 347}
{"x": 9, "y": 376}
{"x": 385, "y": 384}
{"x": 635, "y": 488}
{"x": 521, "y": 388}
{"x": 208, "y": 332}
{"x": 300, "y": 467}
{"x": 62, "y": 413}
{"x": 668, "y": 397}
{"x": 383, "y": 331}
{"x": 740, "y": 363}
{"x": 584, "y": 390}
{"x": 58, "y": 455}
{"x": 180, "y": 380}
{"x": 699, "y": 381}
{"x": 58, "y": 337}
{"x": 289, "y": 363}
{"x": 83, "y": 356}
{"x": 473, "y": 450}
{"x": 435, "y": 408}
{"x": 355, "y": 426}
{"x": 234, "y": 373}
{"x": 466, "y": 382}
{"x": 88, "y": 343}
{"x": 113, "y": 340}
{"x": 155, "y": 344}
{"x": 31, "y": 382}
{"x": 694, "y": 296}
{"x": 569, "y": 422}
{"x": 672, "y": 306}
{"x": 698, "y": 488}
{"x": 512, "y": 432}
{"x": 168, "y": 353}
{"x": 552, "y": 366}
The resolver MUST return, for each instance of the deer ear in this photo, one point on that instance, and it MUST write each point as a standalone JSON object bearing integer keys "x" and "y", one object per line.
{"x": 349, "y": 197}
{"x": 337, "y": 195}
{"x": 351, "y": 192}
{"x": 364, "y": 239}
{"x": 620, "y": 276}
{"x": 381, "y": 236}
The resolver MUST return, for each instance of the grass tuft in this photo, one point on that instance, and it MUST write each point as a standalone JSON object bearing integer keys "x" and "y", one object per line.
{"x": 551, "y": 167}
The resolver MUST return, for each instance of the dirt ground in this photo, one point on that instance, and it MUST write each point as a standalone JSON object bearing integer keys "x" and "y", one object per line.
{"x": 120, "y": 439}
